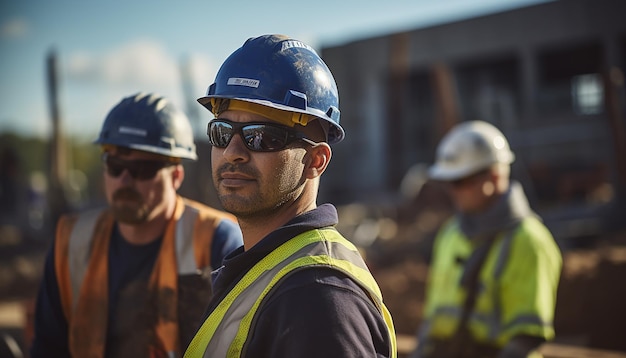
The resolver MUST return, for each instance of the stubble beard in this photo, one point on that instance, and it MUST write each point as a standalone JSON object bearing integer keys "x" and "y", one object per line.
{"x": 258, "y": 204}
{"x": 128, "y": 207}
{"x": 245, "y": 207}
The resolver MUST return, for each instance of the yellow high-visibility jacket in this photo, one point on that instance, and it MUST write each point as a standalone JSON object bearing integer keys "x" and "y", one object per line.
{"x": 226, "y": 330}
{"x": 517, "y": 285}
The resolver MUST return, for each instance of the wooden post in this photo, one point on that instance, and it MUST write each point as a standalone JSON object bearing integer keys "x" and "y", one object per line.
{"x": 613, "y": 87}
{"x": 446, "y": 101}
{"x": 57, "y": 202}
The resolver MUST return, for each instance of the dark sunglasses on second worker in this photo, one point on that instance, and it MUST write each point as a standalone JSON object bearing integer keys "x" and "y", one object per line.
{"x": 257, "y": 136}
{"x": 140, "y": 169}
{"x": 471, "y": 179}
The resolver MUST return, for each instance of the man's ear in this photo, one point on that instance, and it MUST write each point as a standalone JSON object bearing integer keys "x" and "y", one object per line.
{"x": 178, "y": 175}
{"x": 319, "y": 155}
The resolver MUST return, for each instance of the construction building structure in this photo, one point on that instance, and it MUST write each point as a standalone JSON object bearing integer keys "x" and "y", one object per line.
{"x": 550, "y": 76}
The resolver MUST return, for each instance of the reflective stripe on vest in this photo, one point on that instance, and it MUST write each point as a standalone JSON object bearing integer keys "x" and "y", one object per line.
{"x": 225, "y": 332}
{"x": 82, "y": 234}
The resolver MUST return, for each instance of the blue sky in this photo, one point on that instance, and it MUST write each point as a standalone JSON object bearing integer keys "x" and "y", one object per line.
{"x": 107, "y": 50}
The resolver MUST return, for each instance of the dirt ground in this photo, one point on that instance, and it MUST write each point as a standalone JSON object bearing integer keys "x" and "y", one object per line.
{"x": 591, "y": 308}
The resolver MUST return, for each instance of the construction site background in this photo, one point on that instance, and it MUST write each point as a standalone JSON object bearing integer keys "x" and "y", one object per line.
{"x": 396, "y": 240}
{"x": 561, "y": 104}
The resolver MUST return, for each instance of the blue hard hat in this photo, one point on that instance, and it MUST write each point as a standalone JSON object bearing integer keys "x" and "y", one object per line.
{"x": 149, "y": 123}
{"x": 282, "y": 73}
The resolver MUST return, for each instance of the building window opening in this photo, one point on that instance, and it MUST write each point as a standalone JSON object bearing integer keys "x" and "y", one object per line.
{"x": 569, "y": 80}
{"x": 587, "y": 94}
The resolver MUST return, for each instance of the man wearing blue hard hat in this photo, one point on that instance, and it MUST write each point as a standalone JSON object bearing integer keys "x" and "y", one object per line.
{"x": 131, "y": 279}
{"x": 297, "y": 288}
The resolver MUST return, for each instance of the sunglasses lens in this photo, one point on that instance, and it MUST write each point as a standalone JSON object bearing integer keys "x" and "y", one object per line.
{"x": 146, "y": 169}
{"x": 470, "y": 180}
{"x": 220, "y": 134}
{"x": 114, "y": 169}
{"x": 257, "y": 137}
{"x": 264, "y": 138}
{"x": 138, "y": 169}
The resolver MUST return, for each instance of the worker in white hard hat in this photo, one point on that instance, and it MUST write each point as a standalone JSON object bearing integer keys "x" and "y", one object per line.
{"x": 493, "y": 278}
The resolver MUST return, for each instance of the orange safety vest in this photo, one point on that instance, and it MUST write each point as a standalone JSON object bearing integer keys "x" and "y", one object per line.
{"x": 81, "y": 266}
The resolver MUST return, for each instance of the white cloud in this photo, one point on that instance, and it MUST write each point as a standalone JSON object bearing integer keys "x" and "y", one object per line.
{"x": 202, "y": 70}
{"x": 97, "y": 81}
{"x": 14, "y": 28}
{"x": 139, "y": 63}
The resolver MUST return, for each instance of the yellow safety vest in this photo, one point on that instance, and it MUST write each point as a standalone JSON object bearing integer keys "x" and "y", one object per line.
{"x": 225, "y": 331}
{"x": 517, "y": 285}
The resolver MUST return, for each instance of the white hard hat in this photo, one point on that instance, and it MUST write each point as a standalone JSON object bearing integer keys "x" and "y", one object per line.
{"x": 469, "y": 148}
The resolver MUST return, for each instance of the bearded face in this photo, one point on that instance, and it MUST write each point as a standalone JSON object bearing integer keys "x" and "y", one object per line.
{"x": 128, "y": 206}
{"x": 139, "y": 186}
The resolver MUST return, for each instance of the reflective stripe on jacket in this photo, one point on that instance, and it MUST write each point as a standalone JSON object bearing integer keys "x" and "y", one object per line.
{"x": 81, "y": 256}
{"x": 225, "y": 332}
{"x": 517, "y": 285}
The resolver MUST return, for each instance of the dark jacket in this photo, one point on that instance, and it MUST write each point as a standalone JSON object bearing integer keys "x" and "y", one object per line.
{"x": 316, "y": 312}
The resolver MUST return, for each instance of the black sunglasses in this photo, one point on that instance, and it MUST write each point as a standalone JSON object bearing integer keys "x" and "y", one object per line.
{"x": 257, "y": 136}
{"x": 463, "y": 182}
{"x": 138, "y": 169}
